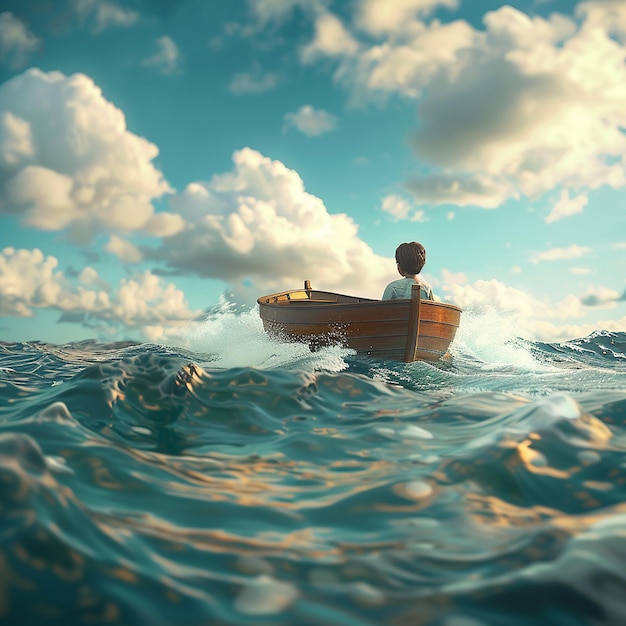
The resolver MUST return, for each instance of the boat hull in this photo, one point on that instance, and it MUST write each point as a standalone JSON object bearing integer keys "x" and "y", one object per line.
{"x": 377, "y": 328}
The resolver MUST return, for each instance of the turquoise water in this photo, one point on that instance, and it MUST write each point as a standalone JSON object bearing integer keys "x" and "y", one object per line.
{"x": 229, "y": 479}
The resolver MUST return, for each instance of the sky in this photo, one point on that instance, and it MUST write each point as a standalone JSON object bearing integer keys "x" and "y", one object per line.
{"x": 160, "y": 158}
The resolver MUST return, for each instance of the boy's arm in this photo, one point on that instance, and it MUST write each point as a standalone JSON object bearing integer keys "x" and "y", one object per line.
{"x": 388, "y": 293}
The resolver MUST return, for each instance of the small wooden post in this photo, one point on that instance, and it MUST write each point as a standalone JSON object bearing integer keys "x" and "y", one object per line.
{"x": 307, "y": 285}
{"x": 412, "y": 338}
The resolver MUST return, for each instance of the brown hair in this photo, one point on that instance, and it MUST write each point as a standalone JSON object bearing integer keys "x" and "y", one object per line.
{"x": 411, "y": 257}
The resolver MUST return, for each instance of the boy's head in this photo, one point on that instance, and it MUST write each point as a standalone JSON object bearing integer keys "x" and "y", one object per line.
{"x": 411, "y": 257}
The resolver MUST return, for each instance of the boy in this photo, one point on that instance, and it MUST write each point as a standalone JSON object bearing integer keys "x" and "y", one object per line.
{"x": 410, "y": 259}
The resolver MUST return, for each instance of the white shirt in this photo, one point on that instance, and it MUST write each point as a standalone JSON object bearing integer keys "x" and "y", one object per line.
{"x": 401, "y": 288}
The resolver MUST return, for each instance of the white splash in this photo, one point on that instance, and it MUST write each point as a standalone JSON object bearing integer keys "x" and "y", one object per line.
{"x": 234, "y": 337}
{"x": 492, "y": 337}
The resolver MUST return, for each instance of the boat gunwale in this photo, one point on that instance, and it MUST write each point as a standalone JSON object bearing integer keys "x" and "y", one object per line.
{"x": 359, "y": 302}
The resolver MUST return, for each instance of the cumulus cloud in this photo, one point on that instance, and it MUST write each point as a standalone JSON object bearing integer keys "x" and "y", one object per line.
{"x": 312, "y": 122}
{"x": 26, "y": 279}
{"x": 559, "y": 254}
{"x": 164, "y": 224}
{"x": 486, "y": 293}
{"x": 331, "y": 39}
{"x": 257, "y": 225}
{"x": 89, "y": 277}
{"x": 520, "y": 107}
{"x": 16, "y": 142}
{"x": 566, "y": 206}
{"x": 101, "y": 14}
{"x": 147, "y": 300}
{"x": 167, "y": 58}
{"x": 462, "y": 190}
{"x": 67, "y": 160}
{"x": 123, "y": 249}
{"x": 531, "y": 317}
{"x": 381, "y": 16}
{"x": 554, "y": 123}
{"x": 602, "y": 297}
{"x": 402, "y": 63}
{"x": 401, "y": 209}
{"x": 609, "y": 15}
{"x": 30, "y": 281}
{"x": 396, "y": 206}
{"x": 17, "y": 43}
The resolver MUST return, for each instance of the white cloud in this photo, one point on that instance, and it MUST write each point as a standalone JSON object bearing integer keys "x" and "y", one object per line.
{"x": 558, "y": 116}
{"x": 312, "y": 122}
{"x": 601, "y": 297}
{"x": 486, "y": 293}
{"x": 580, "y": 270}
{"x": 67, "y": 160}
{"x": 16, "y": 142}
{"x": 531, "y": 317}
{"x": 102, "y": 14}
{"x": 558, "y": 254}
{"x": 331, "y": 39}
{"x": 17, "y": 43}
{"x": 167, "y": 58}
{"x": 256, "y": 81}
{"x": 382, "y": 16}
{"x": 555, "y": 121}
{"x": 396, "y": 206}
{"x": 609, "y": 15}
{"x": 30, "y": 281}
{"x": 401, "y": 209}
{"x": 258, "y": 224}
{"x": 566, "y": 206}
{"x": 164, "y": 224}
{"x": 403, "y": 63}
{"x": 123, "y": 249}
{"x": 448, "y": 188}
{"x": 89, "y": 277}
{"x": 147, "y": 300}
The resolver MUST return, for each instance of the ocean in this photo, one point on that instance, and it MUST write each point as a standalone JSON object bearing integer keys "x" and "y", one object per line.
{"x": 227, "y": 478}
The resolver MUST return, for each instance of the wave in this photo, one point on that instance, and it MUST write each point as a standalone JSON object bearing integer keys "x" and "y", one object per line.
{"x": 228, "y": 478}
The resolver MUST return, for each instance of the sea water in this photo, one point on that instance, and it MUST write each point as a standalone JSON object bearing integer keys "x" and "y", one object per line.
{"x": 226, "y": 478}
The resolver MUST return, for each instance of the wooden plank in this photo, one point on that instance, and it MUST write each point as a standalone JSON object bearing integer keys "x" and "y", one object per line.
{"x": 364, "y": 329}
{"x": 433, "y": 329}
{"x": 412, "y": 337}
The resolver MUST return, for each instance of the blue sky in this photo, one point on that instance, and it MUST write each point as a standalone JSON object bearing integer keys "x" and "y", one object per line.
{"x": 156, "y": 154}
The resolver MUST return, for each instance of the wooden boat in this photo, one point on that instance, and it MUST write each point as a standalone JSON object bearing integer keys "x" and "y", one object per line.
{"x": 401, "y": 330}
